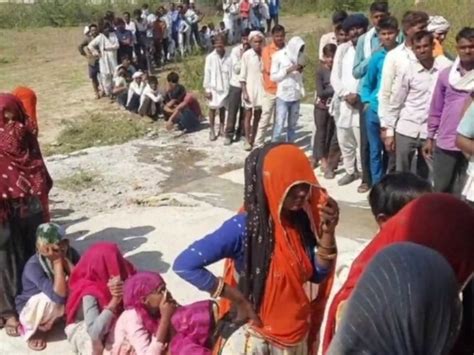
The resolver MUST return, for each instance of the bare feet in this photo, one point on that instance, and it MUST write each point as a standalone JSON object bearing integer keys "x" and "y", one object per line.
{"x": 37, "y": 342}
{"x": 12, "y": 327}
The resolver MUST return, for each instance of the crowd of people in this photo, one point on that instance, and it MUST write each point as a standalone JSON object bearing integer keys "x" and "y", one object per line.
{"x": 393, "y": 104}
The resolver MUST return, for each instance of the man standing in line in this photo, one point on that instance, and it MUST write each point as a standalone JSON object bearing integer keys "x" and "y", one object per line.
{"x": 395, "y": 63}
{"x": 217, "y": 74}
{"x": 287, "y": 72}
{"x": 447, "y": 107}
{"x": 235, "y": 108}
{"x": 346, "y": 94}
{"x": 92, "y": 60}
{"x": 269, "y": 97}
{"x": 412, "y": 96}
{"x": 338, "y": 18}
{"x": 251, "y": 80}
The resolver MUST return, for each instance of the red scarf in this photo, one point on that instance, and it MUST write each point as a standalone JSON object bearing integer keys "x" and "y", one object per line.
{"x": 438, "y": 221}
{"x": 90, "y": 276}
{"x": 22, "y": 169}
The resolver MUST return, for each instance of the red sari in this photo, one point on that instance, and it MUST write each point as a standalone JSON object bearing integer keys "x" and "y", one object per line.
{"x": 438, "y": 221}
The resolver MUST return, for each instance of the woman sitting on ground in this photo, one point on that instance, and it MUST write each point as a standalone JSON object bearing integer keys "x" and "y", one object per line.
{"x": 281, "y": 243}
{"x": 95, "y": 298}
{"x": 154, "y": 323}
{"x": 45, "y": 284}
{"x": 438, "y": 221}
{"x": 406, "y": 302}
{"x": 24, "y": 188}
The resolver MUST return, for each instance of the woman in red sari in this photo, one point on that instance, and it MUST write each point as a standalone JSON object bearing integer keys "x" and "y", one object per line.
{"x": 24, "y": 188}
{"x": 438, "y": 221}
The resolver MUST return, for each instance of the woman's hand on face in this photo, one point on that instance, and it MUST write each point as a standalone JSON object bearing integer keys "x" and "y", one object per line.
{"x": 167, "y": 306}
{"x": 115, "y": 287}
{"x": 329, "y": 214}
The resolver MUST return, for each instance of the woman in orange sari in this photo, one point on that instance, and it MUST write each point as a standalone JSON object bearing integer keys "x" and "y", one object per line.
{"x": 281, "y": 244}
{"x": 28, "y": 98}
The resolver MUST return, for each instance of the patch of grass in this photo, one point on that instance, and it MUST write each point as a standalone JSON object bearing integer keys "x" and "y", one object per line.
{"x": 79, "y": 181}
{"x": 7, "y": 60}
{"x": 97, "y": 130}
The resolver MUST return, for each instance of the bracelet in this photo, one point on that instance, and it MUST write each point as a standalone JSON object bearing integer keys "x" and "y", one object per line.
{"x": 220, "y": 287}
{"x": 334, "y": 246}
{"x": 328, "y": 257}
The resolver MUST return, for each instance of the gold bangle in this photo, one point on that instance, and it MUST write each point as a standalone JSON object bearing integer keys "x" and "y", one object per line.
{"x": 334, "y": 246}
{"x": 327, "y": 256}
{"x": 220, "y": 287}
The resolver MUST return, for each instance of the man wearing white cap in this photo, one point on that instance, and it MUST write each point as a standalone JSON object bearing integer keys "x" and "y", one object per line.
{"x": 251, "y": 79}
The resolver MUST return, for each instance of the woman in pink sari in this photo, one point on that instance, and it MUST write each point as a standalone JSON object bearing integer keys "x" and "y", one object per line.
{"x": 153, "y": 323}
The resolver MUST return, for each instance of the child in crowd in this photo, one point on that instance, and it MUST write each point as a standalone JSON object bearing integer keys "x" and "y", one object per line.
{"x": 126, "y": 64}
{"x": 152, "y": 319}
{"x": 212, "y": 32}
{"x": 222, "y": 30}
{"x": 325, "y": 148}
{"x": 120, "y": 89}
{"x": 151, "y": 99}
{"x": 135, "y": 92}
{"x": 95, "y": 298}
{"x": 205, "y": 39}
{"x": 338, "y": 18}
{"x": 45, "y": 284}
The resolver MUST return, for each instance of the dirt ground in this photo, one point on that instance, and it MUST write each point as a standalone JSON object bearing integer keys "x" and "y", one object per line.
{"x": 47, "y": 60}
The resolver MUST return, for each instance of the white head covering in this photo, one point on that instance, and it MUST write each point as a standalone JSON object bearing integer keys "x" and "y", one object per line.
{"x": 254, "y": 34}
{"x": 438, "y": 24}
{"x": 293, "y": 48}
{"x": 137, "y": 74}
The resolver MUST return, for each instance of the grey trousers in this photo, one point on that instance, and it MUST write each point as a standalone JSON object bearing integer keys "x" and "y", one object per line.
{"x": 449, "y": 171}
{"x": 405, "y": 150}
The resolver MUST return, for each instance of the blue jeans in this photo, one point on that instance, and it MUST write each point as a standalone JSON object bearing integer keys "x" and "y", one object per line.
{"x": 376, "y": 146}
{"x": 286, "y": 110}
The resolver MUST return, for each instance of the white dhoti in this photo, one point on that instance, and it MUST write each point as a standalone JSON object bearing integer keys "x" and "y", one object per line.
{"x": 217, "y": 73}
{"x": 39, "y": 313}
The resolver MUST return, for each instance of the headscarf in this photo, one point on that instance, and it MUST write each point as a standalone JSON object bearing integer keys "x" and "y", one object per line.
{"x": 438, "y": 24}
{"x": 276, "y": 263}
{"x": 99, "y": 263}
{"x": 405, "y": 303}
{"x": 138, "y": 287}
{"x": 48, "y": 233}
{"x": 28, "y": 98}
{"x": 22, "y": 169}
{"x": 438, "y": 221}
{"x": 293, "y": 48}
{"x": 355, "y": 20}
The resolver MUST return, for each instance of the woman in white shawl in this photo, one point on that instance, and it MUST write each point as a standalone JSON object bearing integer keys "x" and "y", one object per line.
{"x": 217, "y": 73}
{"x": 105, "y": 46}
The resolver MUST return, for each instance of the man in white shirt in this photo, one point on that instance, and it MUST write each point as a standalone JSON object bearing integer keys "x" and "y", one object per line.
{"x": 235, "y": 92}
{"x": 251, "y": 80}
{"x": 411, "y": 101}
{"x": 337, "y": 19}
{"x": 192, "y": 18}
{"x": 217, "y": 74}
{"x": 150, "y": 99}
{"x": 287, "y": 71}
{"x": 395, "y": 63}
{"x": 346, "y": 102}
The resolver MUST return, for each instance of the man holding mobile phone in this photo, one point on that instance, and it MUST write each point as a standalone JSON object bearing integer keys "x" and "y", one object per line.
{"x": 287, "y": 71}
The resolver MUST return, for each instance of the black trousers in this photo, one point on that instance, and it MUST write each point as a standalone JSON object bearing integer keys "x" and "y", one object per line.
{"x": 17, "y": 245}
{"x": 449, "y": 171}
{"x": 235, "y": 113}
{"x": 325, "y": 141}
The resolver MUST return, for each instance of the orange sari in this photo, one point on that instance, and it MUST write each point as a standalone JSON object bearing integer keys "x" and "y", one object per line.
{"x": 28, "y": 98}
{"x": 291, "y": 268}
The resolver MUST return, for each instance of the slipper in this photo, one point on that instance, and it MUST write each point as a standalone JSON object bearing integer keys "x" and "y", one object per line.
{"x": 37, "y": 342}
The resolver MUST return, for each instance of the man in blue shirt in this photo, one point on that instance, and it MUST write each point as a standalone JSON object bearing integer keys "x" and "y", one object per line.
{"x": 387, "y": 34}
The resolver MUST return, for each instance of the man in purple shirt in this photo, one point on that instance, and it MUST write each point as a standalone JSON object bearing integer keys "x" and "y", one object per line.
{"x": 447, "y": 106}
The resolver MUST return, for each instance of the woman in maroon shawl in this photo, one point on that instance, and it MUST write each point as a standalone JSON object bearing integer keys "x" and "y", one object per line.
{"x": 24, "y": 188}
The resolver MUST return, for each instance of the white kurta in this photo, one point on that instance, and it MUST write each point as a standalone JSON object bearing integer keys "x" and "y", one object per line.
{"x": 217, "y": 74}
{"x": 107, "y": 48}
{"x": 251, "y": 74}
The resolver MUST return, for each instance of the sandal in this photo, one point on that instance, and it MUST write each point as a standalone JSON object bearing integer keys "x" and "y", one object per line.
{"x": 37, "y": 342}
{"x": 12, "y": 328}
